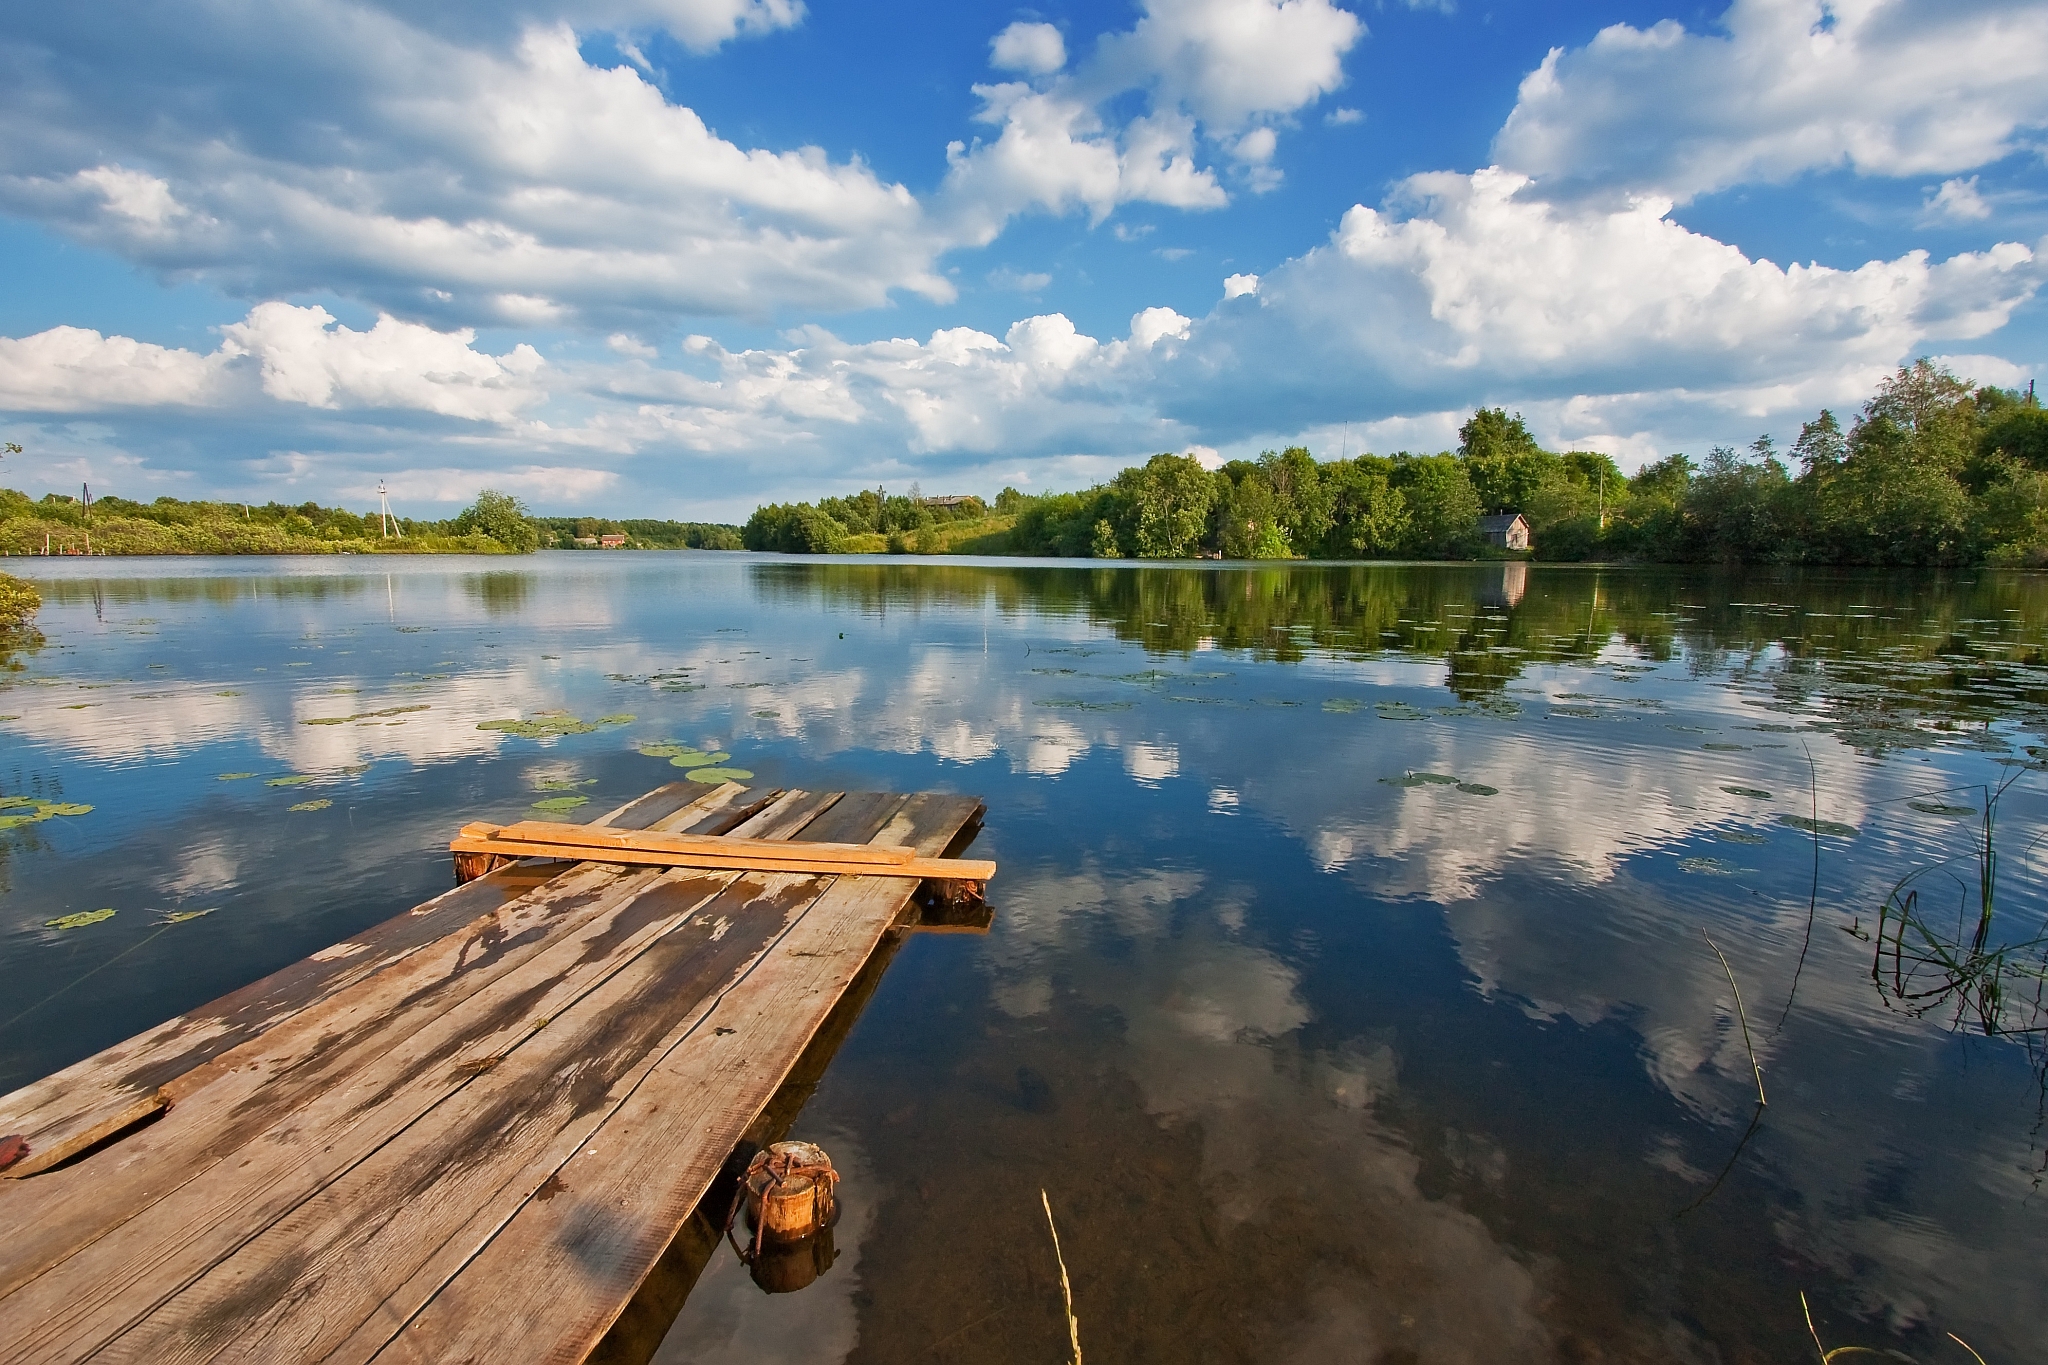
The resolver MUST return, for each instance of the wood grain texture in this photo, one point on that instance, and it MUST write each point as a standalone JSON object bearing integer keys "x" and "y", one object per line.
{"x": 612, "y": 1208}
{"x": 374, "y": 1149}
{"x": 96, "y": 1292}
{"x": 67, "y": 1112}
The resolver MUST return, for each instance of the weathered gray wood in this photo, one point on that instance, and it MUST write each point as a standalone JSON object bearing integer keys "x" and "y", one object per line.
{"x": 328, "y": 1262}
{"x": 403, "y": 1124}
{"x": 614, "y": 1204}
{"x": 65, "y": 1113}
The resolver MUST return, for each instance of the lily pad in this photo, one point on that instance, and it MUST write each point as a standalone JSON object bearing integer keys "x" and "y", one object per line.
{"x": 62, "y": 808}
{"x": 1478, "y": 789}
{"x": 1941, "y": 808}
{"x": 719, "y": 775}
{"x": 1343, "y": 706}
{"x": 1721, "y": 748}
{"x": 232, "y": 777}
{"x": 17, "y": 821}
{"x": 180, "y": 916}
{"x": 561, "y": 803}
{"x": 79, "y": 920}
{"x": 295, "y": 780}
{"x": 1073, "y": 704}
{"x": 1399, "y": 710}
{"x": 322, "y": 804}
{"x": 563, "y": 784}
{"x": 697, "y": 758}
{"x": 767, "y": 715}
{"x": 1710, "y": 867}
{"x": 18, "y": 802}
{"x": 623, "y": 718}
{"x": 1819, "y": 826}
{"x": 1741, "y": 836}
{"x": 1757, "y": 792}
{"x": 1421, "y": 780}
{"x": 540, "y": 727}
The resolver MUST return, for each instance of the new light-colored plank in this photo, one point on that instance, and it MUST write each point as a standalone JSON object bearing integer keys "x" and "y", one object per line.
{"x": 593, "y": 1225}
{"x": 536, "y": 839}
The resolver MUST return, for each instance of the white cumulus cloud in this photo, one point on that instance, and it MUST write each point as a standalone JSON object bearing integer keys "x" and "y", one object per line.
{"x": 1887, "y": 87}
{"x": 1035, "y": 49}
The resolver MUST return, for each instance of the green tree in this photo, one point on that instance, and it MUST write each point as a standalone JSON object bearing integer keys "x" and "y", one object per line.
{"x": 1301, "y": 503}
{"x": 1443, "y": 507}
{"x": 1368, "y": 516}
{"x": 1503, "y": 461}
{"x": 1248, "y": 519}
{"x": 1166, "y": 506}
{"x": 500, "y": 516}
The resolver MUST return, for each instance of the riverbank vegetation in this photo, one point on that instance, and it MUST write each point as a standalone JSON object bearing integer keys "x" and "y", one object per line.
{"x": 563, "y": 533}
{"x": 58, "y": 524}
{"x": 496, "y": 523}
{"x": 1933, "y": 471}
{"x": 875, "y": 521}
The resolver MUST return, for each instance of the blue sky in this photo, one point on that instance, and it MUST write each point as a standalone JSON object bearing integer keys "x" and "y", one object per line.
{"x": 680, "y": 256}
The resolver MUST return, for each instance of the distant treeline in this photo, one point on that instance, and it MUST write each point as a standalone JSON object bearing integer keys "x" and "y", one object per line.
{"x": 872, "y": 520}
{"x": 496, "y": 523}
{"x": 171, "y": 526}
{"x": 1934, "y": 470}
{"x": 562, "y": 533}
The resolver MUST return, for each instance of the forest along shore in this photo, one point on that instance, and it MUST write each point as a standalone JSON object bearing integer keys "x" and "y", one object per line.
{"x": 496, "y": 523}
{"x": 1933, "y": 471}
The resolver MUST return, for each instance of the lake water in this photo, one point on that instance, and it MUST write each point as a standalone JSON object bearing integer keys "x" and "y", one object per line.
{"x": 1350, "y": 990}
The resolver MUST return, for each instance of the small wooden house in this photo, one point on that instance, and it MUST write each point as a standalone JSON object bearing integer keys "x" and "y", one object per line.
{"x": 619, "y": 542}
{"x": 1510, "y": 531}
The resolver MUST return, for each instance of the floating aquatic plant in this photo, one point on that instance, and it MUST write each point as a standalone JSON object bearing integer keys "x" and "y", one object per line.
{"x": 1073, "y": 704}
{"x": 563, "y": 784}
{"x": 696, "y": 758}
{"x": 295, "y": 780}
{"x": 1399, "y": 710}
{"x": 719, "y": 775}
{"x": 322, "y": 804}
{"x": 366, "y": 715}
{"x": 232, "y": 777}
{"x": 623, "y": 718}
{"x": 541, "y": 727}
{"x": 1421, "y": 780}
{"x": 1741, "y": 836}
{"x": 1723, "y": 748}
{"x": 561, "y": 803}
{"x": 1757, "y": 792}
{"x": 30, "y": 810}
{"x": 79, "y": 920}
{"x": 1941, "y": 808}
{"x": 1711, "y": 867}
{"x": 767, "y": 715}
{"x": 1478, "y": 789}
{"x": 1812, "y": 826}
{"x": 1343, "y": 706}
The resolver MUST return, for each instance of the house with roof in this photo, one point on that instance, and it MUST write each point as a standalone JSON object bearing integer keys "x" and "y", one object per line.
{"x": 1509, "y": 531}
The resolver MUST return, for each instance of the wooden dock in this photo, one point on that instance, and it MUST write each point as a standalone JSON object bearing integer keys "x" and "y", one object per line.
{"x": 471, "y": 1132}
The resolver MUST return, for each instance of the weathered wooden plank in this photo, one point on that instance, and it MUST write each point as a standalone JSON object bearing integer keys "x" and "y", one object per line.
{"x": 592, "y": 1226}
{"x": 118, "y": 1087}
{"x": 329, "y": 1262}
{"x": 176, "y": 1233}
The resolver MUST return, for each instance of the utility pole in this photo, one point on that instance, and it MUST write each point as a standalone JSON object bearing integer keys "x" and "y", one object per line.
{"x": 384, "y": 508}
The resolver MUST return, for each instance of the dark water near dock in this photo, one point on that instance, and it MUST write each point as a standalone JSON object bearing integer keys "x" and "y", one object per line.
{"x": 1348, "y": 991}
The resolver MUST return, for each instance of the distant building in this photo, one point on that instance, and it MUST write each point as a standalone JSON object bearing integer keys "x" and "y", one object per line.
{"x": 619, "y": 542}
{"x": 587, "y": 542}
{"x": 1510, "y": 531}
{"x": 951, "y": 500}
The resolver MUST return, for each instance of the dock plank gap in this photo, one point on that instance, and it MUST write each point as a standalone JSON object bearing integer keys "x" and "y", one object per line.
{"x": 486, "y": 1129}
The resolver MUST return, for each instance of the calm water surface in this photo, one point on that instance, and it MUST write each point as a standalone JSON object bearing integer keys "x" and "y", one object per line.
{"x": 1349, "y": 989}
